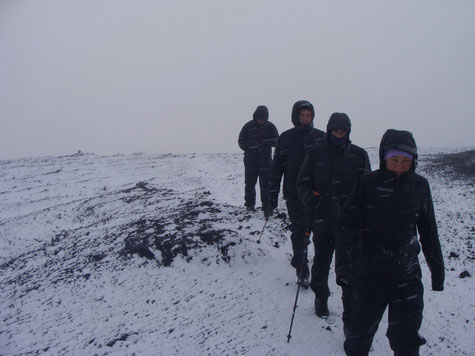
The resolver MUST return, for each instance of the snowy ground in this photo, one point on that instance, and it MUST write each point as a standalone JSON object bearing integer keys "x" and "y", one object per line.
{"x": 154, "y": 255}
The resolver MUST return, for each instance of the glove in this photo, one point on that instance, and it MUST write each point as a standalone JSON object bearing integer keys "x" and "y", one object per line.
{"x": 312, "y": 201}
{"x": 267, "y": 211}
{"x": 343, "y": 281}
{"x": 438, "y": 287}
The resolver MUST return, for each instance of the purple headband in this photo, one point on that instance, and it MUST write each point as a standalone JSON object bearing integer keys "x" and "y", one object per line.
{"x": 391, "y": 153}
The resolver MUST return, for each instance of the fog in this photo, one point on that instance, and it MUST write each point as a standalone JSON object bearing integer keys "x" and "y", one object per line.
{"x": 116, "y": 76}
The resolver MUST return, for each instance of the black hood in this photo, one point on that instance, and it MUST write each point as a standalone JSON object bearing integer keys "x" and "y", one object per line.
{"x": 261, "y": 113}
{"x": 397, "y": 140}
{"x": 339, "y": 120}
{"x": 296, "y": 109}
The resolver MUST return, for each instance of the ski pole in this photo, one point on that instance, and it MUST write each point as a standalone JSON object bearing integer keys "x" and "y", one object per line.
{"x": 259, "y": 240}
{"x": 304, "y": 257}
{"x": 293, "y": 312}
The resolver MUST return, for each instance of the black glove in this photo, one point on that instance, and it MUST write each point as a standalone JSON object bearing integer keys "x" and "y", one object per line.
{"x": 343, "y": 281}
{"x": 312, "y": 201}
{"x": 267, "y": 211}
{"x": 438, "y": 288}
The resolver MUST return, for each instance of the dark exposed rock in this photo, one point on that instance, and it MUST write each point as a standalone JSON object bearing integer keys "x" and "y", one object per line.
{"x": 141, "y": 185}
{"x": 58, "y": 237}
{"x": 53, "y": 172}
{"x": 464, "y": 274}
{"x": 456, "y": 165}
{"x": 139, "y": 247}
{"x": 454, "y": 255}
{"x": 462, "y": 162}
{"x": 122, "y": 337}
{"x": 98, "y": 257}
{"x": 193, "y": 227}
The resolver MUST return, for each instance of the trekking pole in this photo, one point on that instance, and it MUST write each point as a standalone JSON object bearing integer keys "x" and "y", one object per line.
{"x": 293, "y": 312}
{"x": 304, "y": 258}
{"x": 262, "y": 232}
{"x": 299, "y": 283}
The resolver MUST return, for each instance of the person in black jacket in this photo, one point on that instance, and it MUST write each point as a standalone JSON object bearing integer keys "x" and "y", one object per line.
{"x": 256, "y": 139}
{"x": 325, "y": 182}
{"x": 289, "y": 154}
{"x": 378, "y": 250}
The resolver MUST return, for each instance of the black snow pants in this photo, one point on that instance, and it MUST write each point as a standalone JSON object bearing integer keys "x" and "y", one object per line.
{"x": 324, "y": 246}
{"x": 405, "y": 301}
{"x": 256, "y": 167}
{"x": 298, "y": 229}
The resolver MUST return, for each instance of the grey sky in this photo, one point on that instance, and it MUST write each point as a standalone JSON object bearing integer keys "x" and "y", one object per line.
{"x": 117, "y": 76}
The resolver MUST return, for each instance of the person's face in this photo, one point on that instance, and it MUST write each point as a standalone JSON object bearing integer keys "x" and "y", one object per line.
{"x": 398, "y": 164}
{"x": 305, "y": 117}
{"x": 261, "y": 121}
{"x": 338, "y": 133}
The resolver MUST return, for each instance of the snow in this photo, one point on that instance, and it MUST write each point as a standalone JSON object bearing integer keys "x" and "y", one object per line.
{"x": 70, "y": 287}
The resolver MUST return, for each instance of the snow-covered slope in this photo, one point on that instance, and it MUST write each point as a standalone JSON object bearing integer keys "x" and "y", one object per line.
{"x": 155, "y": 255}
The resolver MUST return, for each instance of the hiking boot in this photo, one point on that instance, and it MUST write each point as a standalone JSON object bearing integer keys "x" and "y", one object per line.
{"x": 321, "y": 308}
{"x": 250, "y": 208}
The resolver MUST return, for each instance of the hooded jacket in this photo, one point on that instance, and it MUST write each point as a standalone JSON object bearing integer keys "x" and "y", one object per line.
{"x": 290, "y": 152}
{"x": 257, "y": 140}
{"x": 331, "y": 171}
{"x": 382, "y": 219}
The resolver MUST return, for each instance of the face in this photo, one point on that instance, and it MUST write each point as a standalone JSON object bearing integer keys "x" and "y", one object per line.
{"x": 305, "y": 117}
{"x": 261, "y": 121}
{"x": 398, "y": 164}
{"x": 338, "y": 133}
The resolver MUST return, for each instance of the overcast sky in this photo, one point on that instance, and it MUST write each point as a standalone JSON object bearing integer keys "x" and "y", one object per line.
{"x": 159, "y": 76}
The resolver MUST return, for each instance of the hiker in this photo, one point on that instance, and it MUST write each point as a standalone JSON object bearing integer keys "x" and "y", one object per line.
{"x": 377, "y": 249}
{"x": 289, "y": 155}
{"x": 256, "y": 139}
{"x": 325, "y": 182}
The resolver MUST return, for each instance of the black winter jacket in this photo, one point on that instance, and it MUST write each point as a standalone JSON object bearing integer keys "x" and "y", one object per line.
{"x": 257, "y": 140}
{"x": 332, "y": 172}
{"x": 292, "y": 146}
{"x": 381, "y": 221}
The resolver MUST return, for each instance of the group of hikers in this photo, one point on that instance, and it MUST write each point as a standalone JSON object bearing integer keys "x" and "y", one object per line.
{"x": 369, "y": 219}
